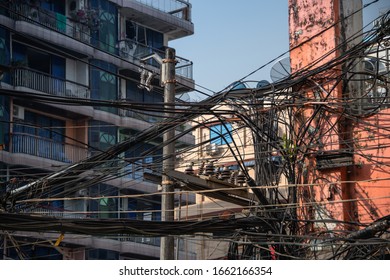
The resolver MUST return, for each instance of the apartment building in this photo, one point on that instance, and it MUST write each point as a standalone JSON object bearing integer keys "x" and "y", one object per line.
{"x": 61, "y": 63}
{"x": 228, "y": 153}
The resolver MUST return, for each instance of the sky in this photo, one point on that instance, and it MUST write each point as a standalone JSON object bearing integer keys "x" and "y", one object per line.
{"x": 233, "y": 38}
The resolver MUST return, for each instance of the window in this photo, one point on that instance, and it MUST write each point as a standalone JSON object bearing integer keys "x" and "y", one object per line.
{"x": 4, "y": 117}
{"x": 42, "y": 126}
{"x": 104, "y": 84}
{"x": 4, "y": 47}
{"x": 107, "y": 205}
{"x": 102, "y": 135}
{"x": 375, "y": 88}
{"x": 220, "y": 134}
{"x": 106, "y": 36}
{"x": 143, "y": 35}
{"x": 39, "y": 135}
{"x": 135, "y": 94}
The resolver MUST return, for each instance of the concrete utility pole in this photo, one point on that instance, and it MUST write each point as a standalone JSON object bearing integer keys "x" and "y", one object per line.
{"x": 167, "y": 199}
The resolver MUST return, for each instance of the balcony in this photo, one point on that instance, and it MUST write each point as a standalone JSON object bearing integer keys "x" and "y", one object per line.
{"x": 133, "y": 52}
{"x": 46, "y": 148}
{"x": 52, "y": 20}
{"x": 130, "y": 51}
{"x": 53, "y": 212}
{"x": 32, "y": 79}
{"x": 150, "y": 118}
{"x": 177, "y": 8}
{"x": 172, "y": 17}
{"x": 39, "y": 16}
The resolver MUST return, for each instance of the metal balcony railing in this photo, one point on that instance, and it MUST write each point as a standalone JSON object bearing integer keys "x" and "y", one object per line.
{"x": 139, "y": 116}
{"x": 177, "y": 8}
{"x": 133, "y": 52}
{"x": 154, "y": 241}
{"x": 36, "y": 15}
{"x": 127, "y": 49}
{"x": 46, "y": 148}
{"x": 61, "y": 213}
{"x": 43, "y": 82}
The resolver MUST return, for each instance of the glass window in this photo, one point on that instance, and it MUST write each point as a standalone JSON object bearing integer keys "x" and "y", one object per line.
{"x": 104, "y": 84}
{"x": 4, "y": 47}
{"x": 106, "y": 36}
{"x": 41, "y": 125}
{"x": 220, "y": 134}
{"x": 4, "y": 124}
{"x": 102, "y": 135}
{"x": 144, "y": 35}
{"x": 105, "y": 206}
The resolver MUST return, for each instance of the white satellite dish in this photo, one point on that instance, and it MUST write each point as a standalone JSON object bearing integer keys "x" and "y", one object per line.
{"x": 281, "y": 70}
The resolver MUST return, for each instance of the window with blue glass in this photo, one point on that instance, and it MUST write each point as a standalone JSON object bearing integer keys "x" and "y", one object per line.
{"x": 4, "y": 120}
{"x": 106, "y": 36}
{"x": 5, "y": 58}
{"x": 135, "y": 94}
{"x": 104, "y": 83}
{"x": 138, "y": 209}
{"x": 143, "y": 35}
{"x": 220, "y": 134}
{"x": 102, "y": 135}
{"x": 42, "y": 126}
{"x": 40, "y": 65}
{"x": 39, "y": 135}
{"x": 107, "y": 205}
{"x": 142, "y": 164}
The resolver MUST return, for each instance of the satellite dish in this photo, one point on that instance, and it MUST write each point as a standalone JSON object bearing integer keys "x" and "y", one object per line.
{"x": 262, "y": 83}
{"x": 281, "y": 69}
{"x": 238, "y": 85}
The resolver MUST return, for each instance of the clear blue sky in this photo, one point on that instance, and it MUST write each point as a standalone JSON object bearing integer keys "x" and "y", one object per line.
{"x": 234, "y": 37}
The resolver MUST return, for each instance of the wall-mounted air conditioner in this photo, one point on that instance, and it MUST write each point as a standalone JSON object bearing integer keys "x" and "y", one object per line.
{"x": 213, "y": 149}
{"x": 18, "y": 112}
{"x": 81, "y": 193}
{"x": 74, "y": 6}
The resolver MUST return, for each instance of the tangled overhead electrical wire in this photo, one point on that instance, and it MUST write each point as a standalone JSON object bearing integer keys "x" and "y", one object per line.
{"x": 265, "y": 111}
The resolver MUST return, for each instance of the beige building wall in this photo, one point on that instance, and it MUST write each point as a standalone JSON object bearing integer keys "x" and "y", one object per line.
{"x": 222, "y": 156}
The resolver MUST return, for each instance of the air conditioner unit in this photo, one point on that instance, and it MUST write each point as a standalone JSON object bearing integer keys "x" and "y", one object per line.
{"x": 18, "y": 112}
{"x": 81, "y": 193}
{"x": 124, "y": 49}
{"x": 33, "y": 14}
{"x": 74, "y": 6}
{"x": 213, "y": 149}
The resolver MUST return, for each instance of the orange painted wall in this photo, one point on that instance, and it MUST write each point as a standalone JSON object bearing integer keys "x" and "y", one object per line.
{"x": 373, "y": 170}
{"x": 313, "y": 37}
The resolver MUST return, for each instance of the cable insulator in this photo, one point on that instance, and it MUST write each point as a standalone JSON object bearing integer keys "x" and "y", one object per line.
{"x": 225, "y": 174}
{"x": 210, "y": 169}
{"x": 219, "y": 173}
{"x": 241, "y": 179}
{"x": 201, "y": 169}
{"x": 232, "y": 179}
{"x": 189, "y": 170}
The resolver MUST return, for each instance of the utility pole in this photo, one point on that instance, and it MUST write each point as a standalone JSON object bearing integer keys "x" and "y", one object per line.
{"x": 4, "y": 246}
{"x": 167, "y": 199}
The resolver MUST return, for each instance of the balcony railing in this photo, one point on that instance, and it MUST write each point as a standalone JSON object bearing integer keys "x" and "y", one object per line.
{"x": 46, "y": 148}
{"x": 127, "y": 49}
{"x": 60, "y": 213}
{"x": 147, "y": 118}
{"x": 133, "y": 51}
{"x": 177, "y": 8}
{"x": 43, "y": 17}
{"x": 43, "y": 82}
{"x": 154, "y": 241}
